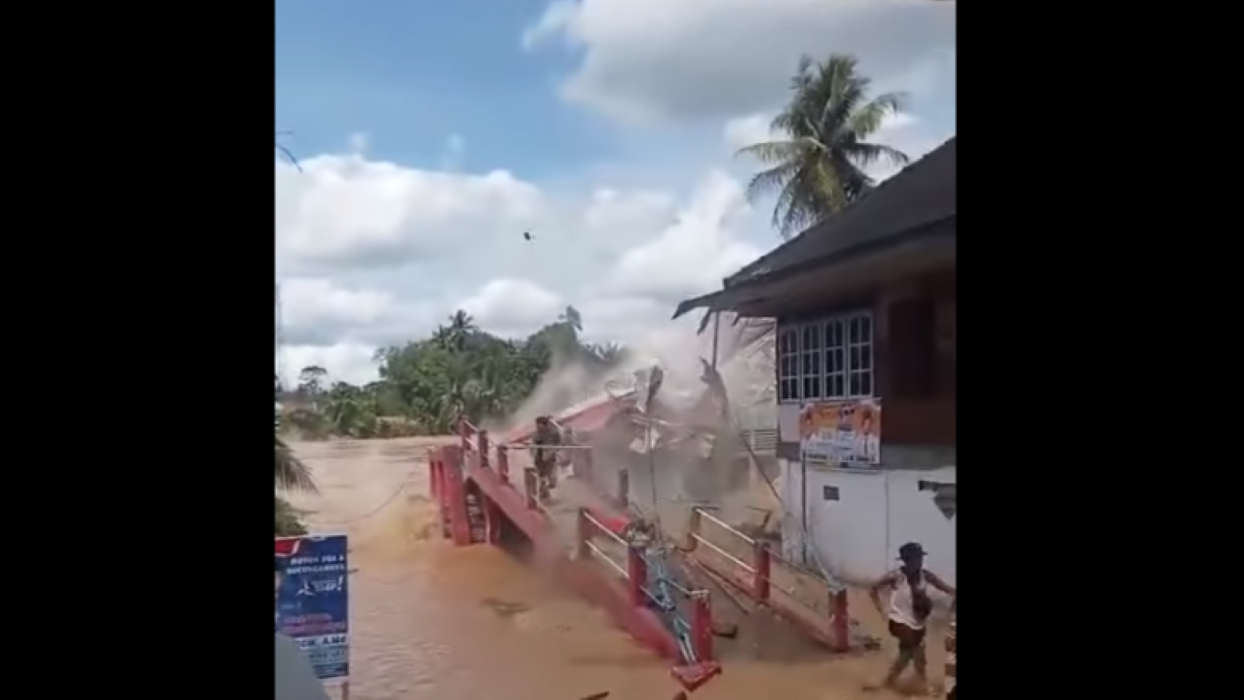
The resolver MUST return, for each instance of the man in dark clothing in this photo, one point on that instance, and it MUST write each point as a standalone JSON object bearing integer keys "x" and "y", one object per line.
{"x": 547, "y": 437}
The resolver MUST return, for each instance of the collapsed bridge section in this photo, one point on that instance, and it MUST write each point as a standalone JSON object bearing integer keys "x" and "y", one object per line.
{"x": 685, "y": 597}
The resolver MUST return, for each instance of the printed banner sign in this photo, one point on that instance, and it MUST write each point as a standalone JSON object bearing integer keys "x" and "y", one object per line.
{"x": 841, "y": 432}
{"x": 313, "y": 601}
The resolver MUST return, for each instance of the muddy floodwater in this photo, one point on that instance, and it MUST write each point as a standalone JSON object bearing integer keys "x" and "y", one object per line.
{"x": 433, "y": 622}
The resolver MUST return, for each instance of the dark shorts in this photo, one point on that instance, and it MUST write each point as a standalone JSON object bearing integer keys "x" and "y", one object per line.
{"x": 908, "y": 638}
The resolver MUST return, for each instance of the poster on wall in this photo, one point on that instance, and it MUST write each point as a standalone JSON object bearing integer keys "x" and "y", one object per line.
{"x": 313, "y": 601}
{"x": 846, "y": 433}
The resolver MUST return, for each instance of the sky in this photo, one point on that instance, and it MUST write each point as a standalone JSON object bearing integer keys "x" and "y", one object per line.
{"x": 431, "y": 136}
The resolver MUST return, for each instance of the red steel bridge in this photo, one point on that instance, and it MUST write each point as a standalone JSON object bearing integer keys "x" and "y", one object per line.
{"x": 688, "y": 602}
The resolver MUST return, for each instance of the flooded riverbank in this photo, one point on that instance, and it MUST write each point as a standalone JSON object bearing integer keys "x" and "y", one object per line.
{"x": 430, "y": 620}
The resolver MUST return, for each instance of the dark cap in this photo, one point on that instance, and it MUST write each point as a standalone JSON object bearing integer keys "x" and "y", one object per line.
{"x": 909, "y": 550}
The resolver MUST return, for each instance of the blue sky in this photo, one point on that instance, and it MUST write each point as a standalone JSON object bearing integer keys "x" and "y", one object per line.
{"x": 432, "y": 134}
{"x": 411, "y": 75}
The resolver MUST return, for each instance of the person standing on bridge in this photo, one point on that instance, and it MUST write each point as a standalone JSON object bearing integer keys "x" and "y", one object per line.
{"x": 547, "y": 437}
{"x": 909, "y": 608}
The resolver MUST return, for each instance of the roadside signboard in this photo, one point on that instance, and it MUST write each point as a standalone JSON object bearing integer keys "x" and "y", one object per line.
{"x": 313, "y": 601}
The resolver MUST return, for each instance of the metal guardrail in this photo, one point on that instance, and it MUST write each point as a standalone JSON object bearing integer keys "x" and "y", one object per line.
{"x": 762, "y": 551}
{"x": 596, "y": 551}
{"x": 735, "y": 560}
{"x": 600, "y": 526}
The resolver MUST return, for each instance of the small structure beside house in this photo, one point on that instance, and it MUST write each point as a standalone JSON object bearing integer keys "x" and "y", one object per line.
{"x": 865, "y": 309}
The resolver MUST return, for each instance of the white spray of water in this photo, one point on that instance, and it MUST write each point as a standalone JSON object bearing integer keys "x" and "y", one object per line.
{"x": 678, "y": 349}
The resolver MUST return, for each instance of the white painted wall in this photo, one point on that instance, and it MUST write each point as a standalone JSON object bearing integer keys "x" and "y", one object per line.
{"x": 858, "y": 535}
{"x": 790, "y": 486}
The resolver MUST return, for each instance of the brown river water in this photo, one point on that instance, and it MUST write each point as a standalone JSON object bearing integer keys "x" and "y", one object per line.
{"x": 430, "y": 621}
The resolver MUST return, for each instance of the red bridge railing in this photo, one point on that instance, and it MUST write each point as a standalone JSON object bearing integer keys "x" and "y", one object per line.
{"x": 750, "y": 565}
{"x": 599, "y": 533}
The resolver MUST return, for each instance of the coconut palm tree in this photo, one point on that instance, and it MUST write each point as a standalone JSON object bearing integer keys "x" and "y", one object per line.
{"x": 571, "y": 316}
{"x": 461, "y": 326}
{"x": 816, "y": 166}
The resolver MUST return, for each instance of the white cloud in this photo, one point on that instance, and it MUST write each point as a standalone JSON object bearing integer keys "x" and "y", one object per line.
{"x": 345, "y": 362}
{"x": 371, "y": 253}
{"x": 316, "y": 301}
{"x": 318, "y": 311}
{"x": 348, "y": 210}
{"x": 745, "y": 131}
{"x": 656, "y": 59}
{"x": 674, "y": 265}
{"x": 513, "y": 306}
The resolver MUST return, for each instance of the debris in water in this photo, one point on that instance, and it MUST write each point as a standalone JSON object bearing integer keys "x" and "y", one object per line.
{"x": 503, "y": 608}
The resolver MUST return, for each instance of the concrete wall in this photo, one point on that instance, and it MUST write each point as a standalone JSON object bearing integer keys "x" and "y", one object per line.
{"x": 790, "y": 485}
{"x": 868, "y": 514}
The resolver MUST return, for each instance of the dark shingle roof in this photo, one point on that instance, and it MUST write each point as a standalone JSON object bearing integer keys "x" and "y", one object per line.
{"x": 911, "y": 201}
{"x": 920, "y": 194}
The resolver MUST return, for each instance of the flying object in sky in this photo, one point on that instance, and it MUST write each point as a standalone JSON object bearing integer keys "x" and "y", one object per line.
{"x": 527, "y": 235}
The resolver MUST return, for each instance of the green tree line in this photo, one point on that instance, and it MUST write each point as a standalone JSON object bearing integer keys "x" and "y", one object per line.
{"x": 460, "y": 370}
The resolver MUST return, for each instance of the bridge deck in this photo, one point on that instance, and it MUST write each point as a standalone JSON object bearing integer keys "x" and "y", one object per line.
{"x": 562, "y": 508}
{"x": 552, "y": 529}
{"x": 755, "y": 632}
{"x": 748, "y": 630}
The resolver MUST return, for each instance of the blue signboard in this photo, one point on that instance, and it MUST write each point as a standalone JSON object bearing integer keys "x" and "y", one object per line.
{"x": 313, "y": 601}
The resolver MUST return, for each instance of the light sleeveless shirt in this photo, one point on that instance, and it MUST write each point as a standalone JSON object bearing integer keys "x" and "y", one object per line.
{"x": 901, "y": 610}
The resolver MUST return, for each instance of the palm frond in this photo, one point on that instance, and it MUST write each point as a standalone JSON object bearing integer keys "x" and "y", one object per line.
{"x": 770, "y": 152}
{"x": 290, "y": 472}
{"x": 289, "y": 156}
{"x": 286, "y": 152}
{"x": 869, "y": 118}
{"x": 867, "y": 154}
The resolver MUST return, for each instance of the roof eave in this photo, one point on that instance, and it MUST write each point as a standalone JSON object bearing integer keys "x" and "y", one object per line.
{"x": 756, "y": 289}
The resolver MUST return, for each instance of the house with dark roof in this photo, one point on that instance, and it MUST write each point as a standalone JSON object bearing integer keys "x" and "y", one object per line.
{"x": 865, "y": 310}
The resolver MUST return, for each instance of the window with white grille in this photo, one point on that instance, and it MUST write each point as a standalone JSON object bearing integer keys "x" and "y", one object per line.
{"x": 830, "y": 358}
